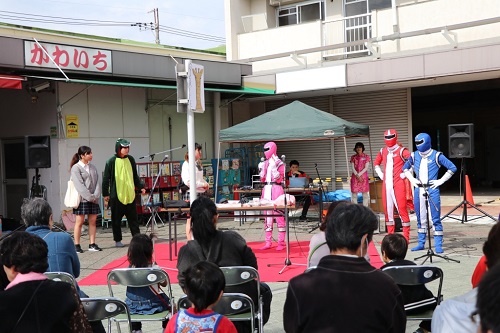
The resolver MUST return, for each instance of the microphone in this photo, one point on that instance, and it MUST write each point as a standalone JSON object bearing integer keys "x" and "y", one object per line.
{"x": 283, "y": 158}
{"x": 315, "y": 165}
{"x": 262, "y": 159}
{"x": 164, "y": 159}
{"x": 183, "y": 145}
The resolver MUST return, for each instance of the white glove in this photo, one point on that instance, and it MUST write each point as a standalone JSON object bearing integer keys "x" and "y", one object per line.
{"x": 379, "y": 172}
{"x": 438, "y": 182}
{"x": 412, "y": 179}
{"x": 261, "y": 166}
{"x": 435, "y": 183}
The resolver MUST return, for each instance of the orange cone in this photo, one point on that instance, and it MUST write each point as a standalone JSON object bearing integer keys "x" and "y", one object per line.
{"x": 468, "y": 191}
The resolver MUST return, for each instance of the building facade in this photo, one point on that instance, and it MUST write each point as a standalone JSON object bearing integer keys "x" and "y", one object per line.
{"x": 413, "y": 65}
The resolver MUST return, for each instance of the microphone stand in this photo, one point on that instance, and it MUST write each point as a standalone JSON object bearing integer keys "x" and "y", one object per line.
{"x": 430, "y": 253}
{"x": 152, "y": 156}
{"x": 320, "y": 192}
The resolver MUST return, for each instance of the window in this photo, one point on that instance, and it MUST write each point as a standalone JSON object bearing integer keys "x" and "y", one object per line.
{"x": 300, "y": 13}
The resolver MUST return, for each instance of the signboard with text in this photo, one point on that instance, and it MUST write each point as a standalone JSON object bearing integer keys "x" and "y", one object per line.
{"x": 67, "y": 57}
{"x": 72, "y": 128}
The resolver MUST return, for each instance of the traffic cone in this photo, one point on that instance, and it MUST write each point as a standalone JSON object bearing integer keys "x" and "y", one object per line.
{"x": 468, "y": 191}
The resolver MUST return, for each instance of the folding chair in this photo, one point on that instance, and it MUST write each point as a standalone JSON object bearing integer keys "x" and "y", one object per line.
{"x": 235, "y": 306}
{"x": 101, "y": 308}
{"x": 416, "y": 275}
{"x": 62, "y": 276}
{"x": 141, "y": 277}
{"x": 239, "y": 276}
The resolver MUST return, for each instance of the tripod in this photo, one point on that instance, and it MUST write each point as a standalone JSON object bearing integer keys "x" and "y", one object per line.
{"x": 320, "y": 193}
{"x": 464, "y": 202}
{"x": 430, "y": 253}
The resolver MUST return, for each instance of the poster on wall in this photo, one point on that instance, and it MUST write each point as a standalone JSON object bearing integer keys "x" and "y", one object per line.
{"x": 72, "y": 129}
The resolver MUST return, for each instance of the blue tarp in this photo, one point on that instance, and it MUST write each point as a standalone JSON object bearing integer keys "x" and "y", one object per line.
{"x": 334, "y": 196}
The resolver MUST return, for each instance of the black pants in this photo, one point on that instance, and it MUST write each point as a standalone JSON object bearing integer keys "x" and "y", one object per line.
{"x": 117, "y": 211}
{"x": 306, "y": 201}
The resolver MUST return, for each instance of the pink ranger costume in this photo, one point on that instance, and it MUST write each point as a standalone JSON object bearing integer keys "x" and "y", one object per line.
{"x": 393, "y": 157}
{"x": 272, "y": 173}
{"x": 359, "y": 180}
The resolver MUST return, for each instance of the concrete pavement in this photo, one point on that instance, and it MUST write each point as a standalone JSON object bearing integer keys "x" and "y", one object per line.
{"x": 462, "y": 241}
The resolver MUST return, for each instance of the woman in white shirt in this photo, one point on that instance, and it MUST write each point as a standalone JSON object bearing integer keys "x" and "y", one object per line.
{"x": 86, "y": 180}
{"x": 201, "y": 184}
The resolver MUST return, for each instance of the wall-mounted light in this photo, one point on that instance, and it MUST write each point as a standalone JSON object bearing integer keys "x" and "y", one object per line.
{"x": 40, "y": 87}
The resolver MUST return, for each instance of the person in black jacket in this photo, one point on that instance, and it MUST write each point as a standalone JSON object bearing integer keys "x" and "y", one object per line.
{"x": 417, "y": 299}
{"x": 119, "y": 182}
{"x": 222, "y": 248}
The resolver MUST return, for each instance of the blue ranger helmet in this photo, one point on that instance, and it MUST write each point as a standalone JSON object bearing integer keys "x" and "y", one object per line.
{"x": 423, "y": 142}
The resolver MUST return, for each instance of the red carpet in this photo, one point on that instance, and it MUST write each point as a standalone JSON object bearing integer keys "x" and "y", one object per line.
{"x": 276, "y": 260}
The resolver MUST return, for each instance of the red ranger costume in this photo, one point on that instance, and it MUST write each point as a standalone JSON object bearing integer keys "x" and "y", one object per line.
{"x": 393, "y": 157}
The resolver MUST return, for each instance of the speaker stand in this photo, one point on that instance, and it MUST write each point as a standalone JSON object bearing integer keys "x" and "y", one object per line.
{"x": 464, "y": 202}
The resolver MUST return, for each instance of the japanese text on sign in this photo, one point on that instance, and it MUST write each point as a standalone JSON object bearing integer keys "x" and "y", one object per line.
{"x": 67, "y": 57}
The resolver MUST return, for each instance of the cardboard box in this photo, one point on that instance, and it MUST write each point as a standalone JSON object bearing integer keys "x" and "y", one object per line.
{"x": 376, "y": 203}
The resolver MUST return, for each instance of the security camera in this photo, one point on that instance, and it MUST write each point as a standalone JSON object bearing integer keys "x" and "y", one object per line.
{"x": 40, "y": 86}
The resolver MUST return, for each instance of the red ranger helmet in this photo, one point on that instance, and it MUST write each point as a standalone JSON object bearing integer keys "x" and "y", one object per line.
{"x": 390, "y": 137}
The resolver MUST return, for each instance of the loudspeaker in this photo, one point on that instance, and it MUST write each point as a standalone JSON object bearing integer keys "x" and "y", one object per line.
{"x": 461, "y": 140}
{"x": 37, "y": 151}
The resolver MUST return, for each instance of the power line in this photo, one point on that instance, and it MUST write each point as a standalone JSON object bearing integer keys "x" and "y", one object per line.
{"x": 35, "y": 18}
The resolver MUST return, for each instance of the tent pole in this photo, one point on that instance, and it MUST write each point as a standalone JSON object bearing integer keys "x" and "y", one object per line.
{"x": 346, "y": 160}
{"x": 217, "y": 174}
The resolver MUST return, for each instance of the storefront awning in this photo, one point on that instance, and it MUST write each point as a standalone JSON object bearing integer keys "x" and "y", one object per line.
{"x": 239, "y": 90}
{"x": 11, "y": 82}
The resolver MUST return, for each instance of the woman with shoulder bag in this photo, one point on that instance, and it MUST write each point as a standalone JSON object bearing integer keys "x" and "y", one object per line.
{"x": 86, "y": 180}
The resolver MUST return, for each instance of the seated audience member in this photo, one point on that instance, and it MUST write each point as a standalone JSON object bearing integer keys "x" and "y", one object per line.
{"x": 306, "y": 199}
{"x": 37, "y": 216}
{"x": 345, "y": 293}
{"x": 223, "y": 249}
{"x": 31, "y": 302}
{"x": 317, "y": 246}
{"x": 452, "y": 315}
{"x": 204, "y": 285}
{"x": 488, "y": 301}
{"x": 417, "y": 299}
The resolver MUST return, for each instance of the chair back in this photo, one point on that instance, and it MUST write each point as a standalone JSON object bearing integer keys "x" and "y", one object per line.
{"x": 61, "y": 276}
{"x": 137, "y": 277}
{"x": 416, "y": 275}
{"x": 240, "y": 276}
{"x": 142, "y": 277}
{"x": 101, "y": 308}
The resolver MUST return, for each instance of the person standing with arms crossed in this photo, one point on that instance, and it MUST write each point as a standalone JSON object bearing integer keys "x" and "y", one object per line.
{"x": 118, "y": 188}
{"x": 393, "y": 157}
{"x": 86, "y": 180}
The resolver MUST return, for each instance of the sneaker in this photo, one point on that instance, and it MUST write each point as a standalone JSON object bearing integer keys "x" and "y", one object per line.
{"x": 78, "y": 248}
{"x": 94, "y": 247}
{"x": 302, "y": 219}
{"x": 119, "y": 244}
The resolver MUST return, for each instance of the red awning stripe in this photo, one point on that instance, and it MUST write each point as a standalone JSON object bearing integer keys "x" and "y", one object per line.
{"x": 11, "y": 82}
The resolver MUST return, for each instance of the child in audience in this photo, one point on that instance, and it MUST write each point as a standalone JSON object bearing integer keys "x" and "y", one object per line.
{"x": 204, "y": 285}
{"x": 417, "y": 299}
{"x": 144, "y": 300}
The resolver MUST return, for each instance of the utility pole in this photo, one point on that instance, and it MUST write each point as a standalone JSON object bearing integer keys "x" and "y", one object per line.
{"x": 157, "y": 24}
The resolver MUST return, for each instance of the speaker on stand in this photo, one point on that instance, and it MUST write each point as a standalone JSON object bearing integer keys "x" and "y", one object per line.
{"x": 37, "y": 155}
{"x": 461, "y": 145}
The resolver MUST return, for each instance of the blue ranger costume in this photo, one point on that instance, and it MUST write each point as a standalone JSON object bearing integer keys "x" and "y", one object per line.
{"x": 426, "y": 163}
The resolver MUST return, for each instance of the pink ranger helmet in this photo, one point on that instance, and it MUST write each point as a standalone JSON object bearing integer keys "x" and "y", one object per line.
{"x": 270, "y": 149}
{"x": 390, "y": 137}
